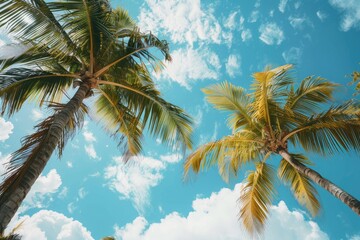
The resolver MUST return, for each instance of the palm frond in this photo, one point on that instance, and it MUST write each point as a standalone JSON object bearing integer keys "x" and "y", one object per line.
{"x": 118, "y": 119}
{"x": 163, "y": 119}
{"x": 309, "y": 95}
{"x": 268, "y": 92}
{"x": 33, "y": 22}
{"x": 229, "y": 153}
{"x": 227, "y": 97}
{"x": 21, "y": 162}
{"x": 19, "y": 84}
{"x": 256, "y": 197}
{"x": 301, "y": 186}
{"x": 336, "y": 130}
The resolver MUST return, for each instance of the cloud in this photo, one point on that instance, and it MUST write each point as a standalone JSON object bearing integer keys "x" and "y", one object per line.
{"x": 134, "y": 179}
{"x": 351, "y": 13}
{"x": 354, "y": 237}
{"x": 36, "y": 114}
{"x": 91, "y": 152}
{"x": 293, "y": 55}
{"x": 185, "y": 21}
{"x": 47, "y": 224}
{"x": 233, "y": 65}
{"x": 282, "y": 5}
{"x": 298, "y": 22}
{"x": 190, "y": 65}
{"x": 270, "y": 33}
{"x": 246, "y": 35}
{"x": 216, "y": 217}
{"x": 321, "y": 15}
{"x": 6, "y": 128}
{"x": 89, "y": 136}
{"x": 42, "y": 190}
{"x": 4, "y": 160}
{"x": 230, "y": 22}
{"x": 254, "y": 16}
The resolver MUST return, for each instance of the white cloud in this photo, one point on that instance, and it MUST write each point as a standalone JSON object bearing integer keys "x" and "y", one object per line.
{"x": 246, "y": 35}
{"x": 293, "y": 55}
{"x": 134, "y": 179}
{"x": 270, "y": 33}
{"x": 354, "y": 237}
{"x": 42, "y": 190}
{"x": 254, "y": 16}
{"x": 47, "y": 224}
{"x": 282, "y": 5}
{"x": 297, "y": 5}
{"x": 191, "y": 65}
{"x": 36, "y": 115}
{"x": 69, "y": 164}
{"x": 351, "y": 13}
{"x": 233, "y": 65}
{"x": 89, "y": 136}
{"x": 82, "y": 193}
{"x": 6, "y": 128}
{"x": 91, "y": 152}
{"x": 184, "y": 20}
{"x": 298, "y": 22}
{"x": 4, "y": 160}
{"x": 215, "y": 218}
{"x": 230, "y": 22}
{"x": 321, "y": 15}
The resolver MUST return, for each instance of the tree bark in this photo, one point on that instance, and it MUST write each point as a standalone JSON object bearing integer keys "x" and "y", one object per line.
{"x": 343, "y": 196}
{"x": 13, "y": 198}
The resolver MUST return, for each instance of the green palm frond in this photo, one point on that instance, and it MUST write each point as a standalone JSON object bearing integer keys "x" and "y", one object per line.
{"x": 165, "y": 120}
{"x": 300, "y": 185}
{"x": 20, "y": 84}
{"x": 256, "y": 197}
{"x": 227, "y": 97}
{"x": 118, "y": 119}
{"x": 336, "y": 130}
{"x": 309, "y": 95}
{"x": 33, "y": 22}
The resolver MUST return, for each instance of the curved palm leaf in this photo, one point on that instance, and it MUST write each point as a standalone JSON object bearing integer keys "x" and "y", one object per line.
{"x": 256, "y": 197}
{"x": 300, "y": 185}
{"x": 227, "y": 97}
{"x": 337, "y": 129}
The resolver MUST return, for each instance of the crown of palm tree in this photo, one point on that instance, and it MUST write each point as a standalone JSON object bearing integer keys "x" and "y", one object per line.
{"x": 263, "y": 122}
{"x": 88, "y": 44}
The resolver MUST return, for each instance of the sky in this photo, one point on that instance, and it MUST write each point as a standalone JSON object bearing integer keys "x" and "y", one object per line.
{"x": 90, "y": 193}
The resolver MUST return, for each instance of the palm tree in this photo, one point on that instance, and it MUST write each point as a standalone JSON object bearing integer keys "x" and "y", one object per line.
{"x": 99, "y": 50}
{"x": 263, "y": 123}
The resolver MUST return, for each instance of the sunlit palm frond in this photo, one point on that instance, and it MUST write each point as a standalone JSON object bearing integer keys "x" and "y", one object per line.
{"x": 256, "y": 197}
{"x": 20, "y": 84}
{"x": 300, "y": 185}
{"x": 118, "y": 119}
{"x": 309, "y": 95}
{"x": 33, "y": 22}
{"x": 165, "y": 120}
{"x": 268, "y": 92}
{"x": 227, "y": 97}
{"x": 229, "y": 153}
{"x": 336, "y": 130}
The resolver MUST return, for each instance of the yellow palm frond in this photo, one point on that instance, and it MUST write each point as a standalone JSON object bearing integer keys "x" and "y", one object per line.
{"x": 227, "y": 97}
{"x": 300, "y": 185}
{"x": 256, "y": 197}
{"x": 229, "y": 153}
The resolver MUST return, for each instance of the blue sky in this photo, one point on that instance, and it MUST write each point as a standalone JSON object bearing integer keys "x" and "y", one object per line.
{"x": 90, "y": 193}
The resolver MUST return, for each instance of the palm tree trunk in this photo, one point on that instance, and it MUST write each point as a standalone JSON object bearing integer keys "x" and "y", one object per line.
{"x": 345, "y": 197}
{"x": 13, "y": 198}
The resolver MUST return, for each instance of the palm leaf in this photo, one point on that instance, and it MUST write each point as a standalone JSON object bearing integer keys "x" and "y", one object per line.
{"x": 19, "y": 84}
{"x": 300, "y": 185}
{"x": 118, "y": 119}
{"x": 256, "y": 197}
{"x": 336, "y": 130}
{"x": 227, "y": 97}
{"x": 309, "y": 95}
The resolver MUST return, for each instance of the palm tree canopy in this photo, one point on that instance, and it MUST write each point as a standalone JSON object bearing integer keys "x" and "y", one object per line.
{"x": 263, "y": 122}
{"x": 68, "y": 41}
